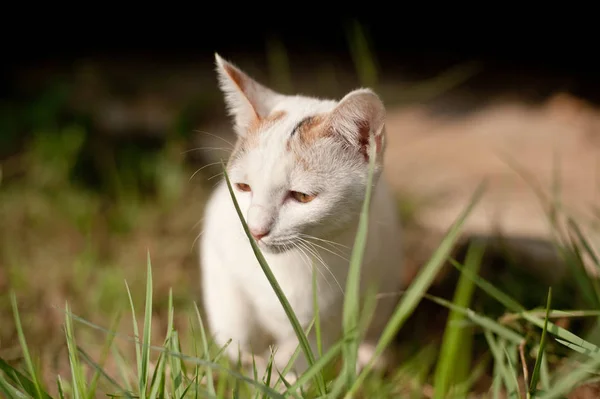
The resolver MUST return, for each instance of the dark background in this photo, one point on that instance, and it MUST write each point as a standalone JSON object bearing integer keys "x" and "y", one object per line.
{"x": 505, "y": 39}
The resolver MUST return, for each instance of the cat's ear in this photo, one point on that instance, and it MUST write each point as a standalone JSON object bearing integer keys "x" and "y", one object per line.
{"x": 247, "y": 100}
{"x": 359, "y": 116}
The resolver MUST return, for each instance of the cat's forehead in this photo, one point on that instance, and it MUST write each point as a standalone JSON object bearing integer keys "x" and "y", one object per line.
{"x": 288, "y": 115}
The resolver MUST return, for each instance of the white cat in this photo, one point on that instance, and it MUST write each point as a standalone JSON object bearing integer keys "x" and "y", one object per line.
{"x": 299, "y": 172}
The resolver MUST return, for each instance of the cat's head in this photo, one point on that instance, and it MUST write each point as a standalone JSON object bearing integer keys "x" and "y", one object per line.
{"x": 300, "y": 164}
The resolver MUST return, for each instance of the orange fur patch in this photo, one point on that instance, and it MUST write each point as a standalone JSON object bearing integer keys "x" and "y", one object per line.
{"x": 307, "y": 134}
{"x": 259, "y": 124}
{"x": 312, "y": 129}
{"x": 251, "y": 139}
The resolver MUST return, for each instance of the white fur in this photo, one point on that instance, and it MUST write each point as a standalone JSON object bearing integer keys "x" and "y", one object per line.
{"x": 238, "y": 299}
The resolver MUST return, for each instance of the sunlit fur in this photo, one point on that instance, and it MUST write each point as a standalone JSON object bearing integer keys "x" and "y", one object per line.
{"x": 325, "y": 158}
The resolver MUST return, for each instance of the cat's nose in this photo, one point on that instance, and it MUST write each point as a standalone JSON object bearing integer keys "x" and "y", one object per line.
{"x": 258, "y": 233}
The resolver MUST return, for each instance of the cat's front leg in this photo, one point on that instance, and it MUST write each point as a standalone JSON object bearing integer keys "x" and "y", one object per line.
{"x": 230, "y": 314}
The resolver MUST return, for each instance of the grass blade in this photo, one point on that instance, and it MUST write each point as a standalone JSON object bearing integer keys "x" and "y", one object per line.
{"x": 177, "y": 374}
{"x": 538, "y": 362}
{"x": 514, "y": 306}
{"x": 352, "y": 290}
{"x": 293, "y": 358}
{"x": 124, "y": 371}
{"x": 76, "y": 369}
{"x": 147, "y": 331}
{"x": 316, "y": 368}
{"x": 489, "y": 289}
{"x": 209, "y": 375}
{"x": 18, "y": 378}
{"x": 569, "y": 381}
{"x": 417, "y": 289}
{"x": 586, "y": 245}
{"x": 105, "y": 352}
{"x": 483, "y": 321}
{"x": 61, "y": 393}
{"x": 316, "y": 312}
{"x": 38, "y": 392}
{"x": 158, "y": 378}
{"x": 362, "y": 56}
{"x": 136, "y": 332}
{"x": 101, "y": 372}
{"x": 455, "y": 336}
{"x": 277, "y": 288}
{"x": 500, "y": 364}
{"x": 9, "y": 391}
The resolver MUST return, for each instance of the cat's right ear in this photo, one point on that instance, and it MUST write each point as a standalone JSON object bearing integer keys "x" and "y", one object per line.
{"x": 248, "y": 102}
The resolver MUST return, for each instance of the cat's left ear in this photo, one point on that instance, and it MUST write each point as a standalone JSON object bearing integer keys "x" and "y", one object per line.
{"x": 359, "y": 116}
{"x": 247, "y": 101}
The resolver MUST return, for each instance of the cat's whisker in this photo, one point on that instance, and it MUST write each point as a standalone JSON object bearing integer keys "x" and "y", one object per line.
{"x": 197, "y": 224}
{"x": 306, "y": 260}
{"x": 326, "y": 241}
{"x": 315, "y": 253}
{"x": 331, "y": 250}
{"x": 207, "y": 149}
{"x": 196, "y": 240}
{"x": 320, "y": 258}
{"x": 205, "y": 166}
{"x": 217, "y": 175}
{"x": 216, "y": 136}
{"x": 325, "y": 249}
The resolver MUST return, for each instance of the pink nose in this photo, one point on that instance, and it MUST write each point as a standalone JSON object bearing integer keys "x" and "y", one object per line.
{"x": 258, "y": 234}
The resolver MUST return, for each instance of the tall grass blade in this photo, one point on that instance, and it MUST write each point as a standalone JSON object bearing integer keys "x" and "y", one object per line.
{"x": 352, "y": 289}
{"x": 514, "y": 306}
{"x": 572, "y": 379}
{"x": 124, "y": 370}
{"x": 316, "y": 368}
{"x": 363, "y": 58}
{"x": 147, "y": 331}
{"x": 538, "y": 361}
{"x": 61, "y": 391}
{"x": 483, "y": 321}
{"x": 277, "y": 288}
{"x": 279, "y": 66}
{"x": 316, "y": 312}
{"x": 100, "y": 371}
{"x": 20, "y": 379}
{"x": 209, "y": 375}
{"x": 293, "y": 358}
{"x": 9, "y": 391}
{"x": 105, "y": 352}
{"x": 586, "y": 245}
{"x": 500, "y": 364}
{"x": 136, "y": 335}
{"x": 462, "y": 389}
{"x": 490, "y": 289}
{"x": 38, "y": 393}
{"x": 448, "y": 372}
{"x": 158, "y": 378}
{"x": 78, "y": 384}
{"x": 511, "y": 366}
{"x": 417, "y": 289}
{"x": 177, "y": 374}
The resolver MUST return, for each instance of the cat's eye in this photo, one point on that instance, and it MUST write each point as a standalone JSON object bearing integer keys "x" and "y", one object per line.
{"x": 302, "y": 197}
{"x": 242, "y": 186}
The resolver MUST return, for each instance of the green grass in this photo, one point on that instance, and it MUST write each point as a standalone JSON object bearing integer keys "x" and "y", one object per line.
{"x": 496, "y": 340}
{"x": 165, "y": 371}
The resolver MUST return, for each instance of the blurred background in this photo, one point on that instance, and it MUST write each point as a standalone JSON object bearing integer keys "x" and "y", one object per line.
{"x": 109, "y": 125}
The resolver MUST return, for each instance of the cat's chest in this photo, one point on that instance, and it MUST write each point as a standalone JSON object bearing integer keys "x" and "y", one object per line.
{"x": 294, "y": 274}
